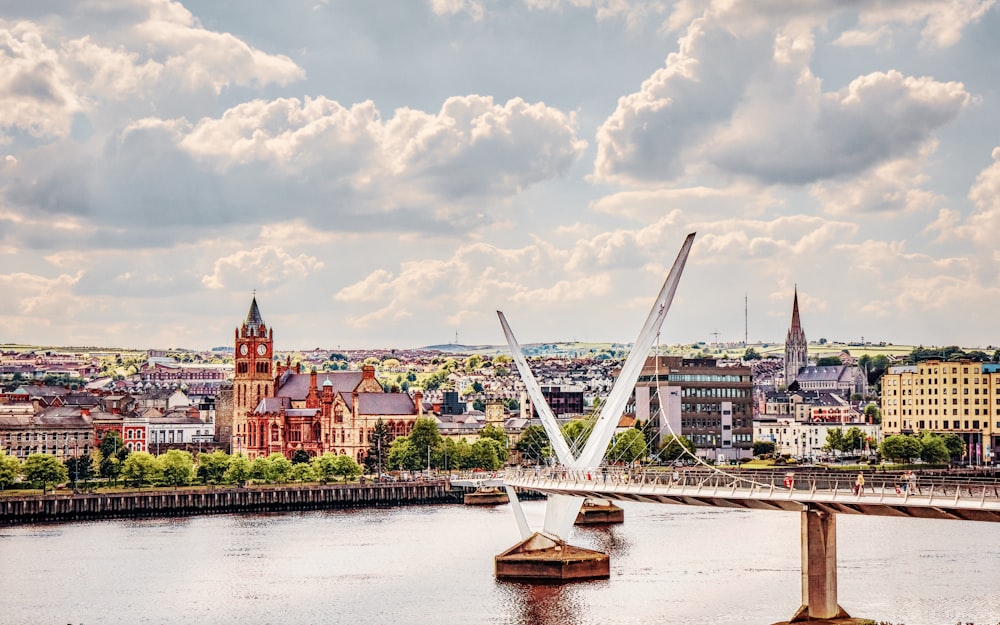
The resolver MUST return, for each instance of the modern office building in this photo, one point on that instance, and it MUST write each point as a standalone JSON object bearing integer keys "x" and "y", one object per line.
{"x": 700, "y": 398}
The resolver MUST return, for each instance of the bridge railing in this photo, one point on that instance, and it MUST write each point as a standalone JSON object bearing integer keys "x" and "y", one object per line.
{"x": 792, "y": 482}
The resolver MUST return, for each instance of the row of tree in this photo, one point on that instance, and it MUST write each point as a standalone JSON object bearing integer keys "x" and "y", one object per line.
{"x": 425, "y": 448}
{"x": 928, "y": 446}
{"x": 635, "y": 444}
{"x": 176, "y": 468}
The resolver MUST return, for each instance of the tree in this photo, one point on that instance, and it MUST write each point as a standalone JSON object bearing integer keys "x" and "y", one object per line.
{"x": 873, "y": 414}
{"x": 178, "y": 467}
{"x": 302, "y": 472}
{"x": 577, "y": 432}
{"x": 10, "y": 469}
{"x": 828, "y": 361}
{"x": 751, "y": 354}
{"x": 212, "y": 467}
{"x": 346, "y": 467}
{"x": 260, "y": 470}
{"x": 378, "y": 447}
{"x": 835, "y": 440}
{"x": 534, "y": 444}
{"x": 113, "y": 454}
{"x": 80, "y": 468}
{"x": 486, "y": 454}
{"x": 281, "y": 467}
{"x": 424, "y": 437}
{"x": 497, "y": 434}
{"x": 402, "y": 454}
{"x": 900, "y": 448}
{"x": 933, "y": 449}
{"x": 42, "y": 470}
{"x": 854, "y": 439}
{"x": 453, "y": 454}
{"x": 955, "y": 445}
{"x": 140, "y": 468}
{"x": 675, "y": 447}
{"x": 325, "y": 467}
{"x": 300, "y": 456}
{"x": 763, "y": 448}
{"x": 627, "y": 446}
{"x": 239, "y": 470}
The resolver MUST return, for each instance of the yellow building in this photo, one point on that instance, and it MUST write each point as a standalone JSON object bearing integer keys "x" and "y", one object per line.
{"x": 961, "y": 397}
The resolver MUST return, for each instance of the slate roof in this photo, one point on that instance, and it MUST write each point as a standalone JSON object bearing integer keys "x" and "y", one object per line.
{"x": 273, "y": 404}
{"x": 385, "y": 404}
{"x": 834, "y": 373}
{"x": 295, "y": 386}
{"x": 254, "y": 320}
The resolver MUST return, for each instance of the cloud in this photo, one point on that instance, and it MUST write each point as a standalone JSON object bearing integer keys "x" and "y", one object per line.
{"x": 942, "y": 21}
{"x": 983, "y": 225}
{"x": 746, "y": 104}
{"x": 259, "y": 267}
{"x": 331, "y": 166}
{"x": 890, "y": 187}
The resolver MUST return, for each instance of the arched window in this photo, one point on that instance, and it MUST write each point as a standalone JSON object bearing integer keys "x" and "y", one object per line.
{"x": 274, "y": 433}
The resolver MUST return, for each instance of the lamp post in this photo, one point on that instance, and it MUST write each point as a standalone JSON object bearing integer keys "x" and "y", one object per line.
{"x": 378, "y": 446}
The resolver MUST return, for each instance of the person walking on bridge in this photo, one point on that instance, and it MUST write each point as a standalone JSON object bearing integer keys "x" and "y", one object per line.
{"x": 859, "y": 484}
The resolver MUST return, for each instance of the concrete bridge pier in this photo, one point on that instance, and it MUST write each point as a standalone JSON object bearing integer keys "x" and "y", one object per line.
{"x": 819, "y": 568}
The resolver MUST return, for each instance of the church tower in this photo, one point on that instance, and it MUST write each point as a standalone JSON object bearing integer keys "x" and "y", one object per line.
{"x": 796, "y": 347}
{"x": 253, "y": 379}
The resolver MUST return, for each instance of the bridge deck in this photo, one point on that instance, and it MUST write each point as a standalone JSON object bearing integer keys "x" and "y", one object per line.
{"x": 938, "y": 498}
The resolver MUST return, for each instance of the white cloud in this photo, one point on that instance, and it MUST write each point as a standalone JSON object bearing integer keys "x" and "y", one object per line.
{"x": 942, "y": 22}
{"x": 983, "y": 225}
{"x": 260, "y": 267}
{"x": 751, "y": 106}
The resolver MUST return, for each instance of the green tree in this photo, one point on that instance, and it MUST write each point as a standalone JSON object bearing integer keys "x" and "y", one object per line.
{"x": 302, "y": 472}
{"x": 873, "y": 414}
{"x": 113, "y": 454}
{"x": 424, "y": 438}
{"x": 378, "y": 447}
{"x": 955, "y": 445}
{"x": 80, "y": 468}
{"x": 751, "y": 354}
{"x": 497, "y": 434}
{"x": 577, "y": 432}
{"x": 900, "y": 448}
{"x": 933, "y": 449}
{"x": 763, "y": 448}
{"x": 300, "y": 456}
{"x": 260, "y": 470}
{"x": 453, "y": 455}
{"x": 828, "y": 361}
{"x": 675, "y": 447}
{"x": 344, "y": 466}
{"x": 325, "y": 467}
{"x": 42, "y": 470}
{"x": 239, "y": 470}
{"x": 212, "y": 467}
{"x": 835, "y": 440}
{"x": 141, "y": 468}
{"x": 486, "y": 454}
{"x": 281, "y": 467}
{"x": 854, "y": 439}
{"x": 534, "y": 444}
{"x": 402, "y": 455}
{"x": 10, "y": 469}
{"x": 627, "y": 446}
{"x": 178, "y": 467}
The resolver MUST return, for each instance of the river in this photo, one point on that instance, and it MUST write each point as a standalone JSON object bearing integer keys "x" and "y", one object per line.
{"x": 433, "y": 565}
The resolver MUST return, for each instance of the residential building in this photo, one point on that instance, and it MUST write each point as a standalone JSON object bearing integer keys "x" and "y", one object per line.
{"x": 946, "y": 397}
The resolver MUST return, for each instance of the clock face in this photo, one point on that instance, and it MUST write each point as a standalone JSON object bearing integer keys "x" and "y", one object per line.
{"x": 262, "y": 349}
{"x": 243, "y": 349}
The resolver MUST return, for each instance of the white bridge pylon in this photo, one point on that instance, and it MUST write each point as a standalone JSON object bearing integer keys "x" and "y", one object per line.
{"x": 561, "y": 510}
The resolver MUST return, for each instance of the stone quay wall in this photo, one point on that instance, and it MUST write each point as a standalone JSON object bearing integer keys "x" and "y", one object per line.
{"x": 220, "y": 500}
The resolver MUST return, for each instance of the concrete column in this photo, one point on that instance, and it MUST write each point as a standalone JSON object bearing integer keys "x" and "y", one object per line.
{"x": 819, "y": 567}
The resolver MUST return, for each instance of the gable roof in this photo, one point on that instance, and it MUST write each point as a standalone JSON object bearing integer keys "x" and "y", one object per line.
{"x": 386, "y": 404}
{"x": 295, "y": 386}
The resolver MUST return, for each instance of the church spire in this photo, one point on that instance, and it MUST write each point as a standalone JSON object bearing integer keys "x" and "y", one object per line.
{"x": 796, "y": 324}
{"x": 254, "y": 321}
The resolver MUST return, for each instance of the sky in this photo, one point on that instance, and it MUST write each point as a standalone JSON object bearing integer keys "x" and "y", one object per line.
{"x": 391, "y": 173}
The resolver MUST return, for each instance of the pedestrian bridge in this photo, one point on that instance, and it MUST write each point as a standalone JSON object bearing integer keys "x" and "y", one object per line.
{"x": 966, "y": 499}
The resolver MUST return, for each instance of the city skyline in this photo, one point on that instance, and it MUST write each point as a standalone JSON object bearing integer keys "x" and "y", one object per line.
{"x": 392, "y": 174}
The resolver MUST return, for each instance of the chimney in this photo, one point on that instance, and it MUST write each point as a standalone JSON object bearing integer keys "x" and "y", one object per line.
{"x": 368, "y": 372}
{"x": 418, "y": 401}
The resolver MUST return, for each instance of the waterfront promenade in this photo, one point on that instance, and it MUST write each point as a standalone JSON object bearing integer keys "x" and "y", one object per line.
{"x": 152, "y": 502}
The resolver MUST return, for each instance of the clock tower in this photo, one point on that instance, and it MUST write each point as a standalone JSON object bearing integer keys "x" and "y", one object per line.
{"x": 253, "y": 379}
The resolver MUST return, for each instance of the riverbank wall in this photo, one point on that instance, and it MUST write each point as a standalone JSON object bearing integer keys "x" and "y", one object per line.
{"x": 220, "y": 500}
